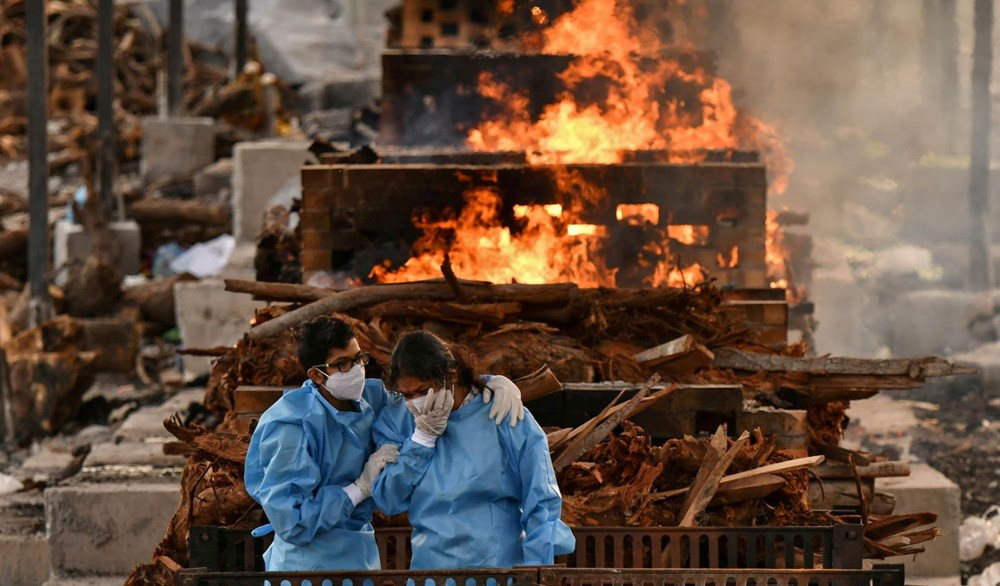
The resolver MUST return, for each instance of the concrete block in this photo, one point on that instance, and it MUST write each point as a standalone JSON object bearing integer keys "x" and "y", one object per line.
{"x": 176, "y": 147}
{"x": 71, "y": 242}
{"x": 926, "y": 489}
{"x": 264, "y": 173}
{"x": 208, "y": 316}
{"x": 788, "y": 425}
{"x": 935, "y": 321}
{"x": 24, "y": 560}
{"x": 45, "y": 464}
{"x": 214, "y": 178}
{"x": 147, "y": 423}
{"x": 106, "y": 529}
{"x": 131, "y": 454}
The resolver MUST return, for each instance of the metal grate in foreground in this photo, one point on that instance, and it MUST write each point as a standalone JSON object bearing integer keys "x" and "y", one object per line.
{"x": 553, "y": 576}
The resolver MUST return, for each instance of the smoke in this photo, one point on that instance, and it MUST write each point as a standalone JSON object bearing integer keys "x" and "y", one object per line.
{"x": 872, "y": 100}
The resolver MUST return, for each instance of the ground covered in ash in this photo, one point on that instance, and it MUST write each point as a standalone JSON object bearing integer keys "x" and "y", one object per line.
{"x": 962, "y": 440}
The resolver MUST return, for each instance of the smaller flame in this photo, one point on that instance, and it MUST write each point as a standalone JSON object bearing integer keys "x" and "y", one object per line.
{"x": 685, "y": 277}
{"x": 734, "y": 259}
{"x": 585, "y": 230}
{"x": 636, "y": 214}
{"x": 688, "y": 234}
{"x": 523, "y": 211}
{"x": 539, "y": 16}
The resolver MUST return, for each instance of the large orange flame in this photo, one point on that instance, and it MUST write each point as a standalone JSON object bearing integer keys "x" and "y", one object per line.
{"x": 648, "y": 98}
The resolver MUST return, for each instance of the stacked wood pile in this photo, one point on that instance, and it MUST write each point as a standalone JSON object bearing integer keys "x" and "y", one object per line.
{"x": 608, "y": 468}
{"x": 72, "y": 27}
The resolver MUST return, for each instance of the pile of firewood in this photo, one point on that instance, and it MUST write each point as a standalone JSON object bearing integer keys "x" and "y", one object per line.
{"x": 609, "y": 470}
{"x": 138, "y": 38}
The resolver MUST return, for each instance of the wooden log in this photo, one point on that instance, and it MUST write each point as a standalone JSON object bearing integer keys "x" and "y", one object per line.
{"x": 915, "y": 368}
{"x": 438, "y": 289}
{"x": 278, "y": 292}
{"x": 9, "y": 283}
{"x": 115, "y": 340}
{"x": 872, "y": 470}
{"x": 445, "y": 311}
{"x": 154, "y": 210}
{"x": 681, "y": 356}
{"x": 578, "y": 448}
{"x": 538, "y": 384}
{"x": 13, "y": 242}
{"x": 155, "y": 299}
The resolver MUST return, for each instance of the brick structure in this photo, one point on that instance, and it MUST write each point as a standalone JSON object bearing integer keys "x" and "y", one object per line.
{"x": 344, "y": 206}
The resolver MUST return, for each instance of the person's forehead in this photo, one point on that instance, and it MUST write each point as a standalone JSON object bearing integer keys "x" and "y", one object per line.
{"x": 350, "y": 351}
{"x": 409, "y": 384}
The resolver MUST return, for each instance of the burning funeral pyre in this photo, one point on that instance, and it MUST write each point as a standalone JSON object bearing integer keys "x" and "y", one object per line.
{"x": 606, "y": 232}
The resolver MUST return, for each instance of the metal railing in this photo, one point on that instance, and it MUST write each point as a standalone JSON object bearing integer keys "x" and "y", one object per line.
{"x": 555, "y": 576}
{"x": 829, "y": 547}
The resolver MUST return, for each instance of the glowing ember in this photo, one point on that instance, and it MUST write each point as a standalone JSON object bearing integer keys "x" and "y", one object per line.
{"x": 688, "y": 234}
{"x": 637, "y": 214}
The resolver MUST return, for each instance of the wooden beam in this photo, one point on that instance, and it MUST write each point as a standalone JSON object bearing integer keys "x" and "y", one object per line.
{"x": 680, "y": 356}
{"x": 915, "y": 368}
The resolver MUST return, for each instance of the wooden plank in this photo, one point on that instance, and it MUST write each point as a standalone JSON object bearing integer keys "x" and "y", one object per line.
{"x": 912, "y": 368}
{"x": 680, "y": 356}
{"x": 538, "y": 384}
{"x": 788, "y": 466}
{"x": 709, "y": 476}
{"x": 872, "y": 470}
{"x": 748, "y": 489}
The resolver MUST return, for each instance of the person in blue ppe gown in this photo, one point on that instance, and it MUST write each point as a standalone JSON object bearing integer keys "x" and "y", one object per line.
{"x": 477, "y": 495}
{"x": 311, "y": 463}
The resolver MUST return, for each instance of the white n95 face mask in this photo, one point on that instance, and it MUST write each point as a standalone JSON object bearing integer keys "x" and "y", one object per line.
{"x": 348, "y": 385}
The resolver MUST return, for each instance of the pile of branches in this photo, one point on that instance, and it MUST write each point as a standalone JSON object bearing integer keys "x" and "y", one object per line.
{"x": 72, "y": 45}
{"x": 582, "y": 335}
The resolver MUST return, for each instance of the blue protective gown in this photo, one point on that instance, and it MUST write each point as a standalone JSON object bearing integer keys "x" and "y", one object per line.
{"x": 302, "y": 454}
{"x": 485, "y": 496}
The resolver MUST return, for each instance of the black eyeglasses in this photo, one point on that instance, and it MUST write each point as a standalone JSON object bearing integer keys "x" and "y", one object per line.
{"x": 345, "y": 364}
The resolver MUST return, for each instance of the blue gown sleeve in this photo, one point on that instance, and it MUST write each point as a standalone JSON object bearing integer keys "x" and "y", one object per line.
{"x": 546, "y": 536}
{"x": 297, "y": 507}
{"x": 395, "y": 485}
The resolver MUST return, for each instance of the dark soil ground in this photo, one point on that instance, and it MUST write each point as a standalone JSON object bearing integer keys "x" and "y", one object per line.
{"x": 962, "y": 440}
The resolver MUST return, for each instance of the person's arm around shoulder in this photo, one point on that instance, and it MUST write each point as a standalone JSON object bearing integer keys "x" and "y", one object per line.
{"x": 289, "y": 491}
{"x": 545, "y": 535}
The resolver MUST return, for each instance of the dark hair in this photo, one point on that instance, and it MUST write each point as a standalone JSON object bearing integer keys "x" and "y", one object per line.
{"x": 318, "y": 336}
{"x": 425, "y": 356}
